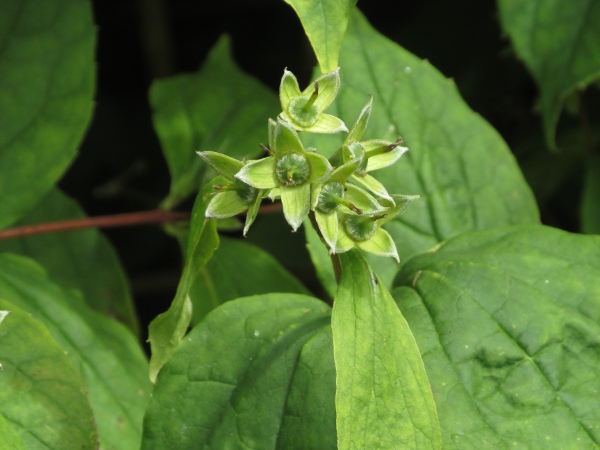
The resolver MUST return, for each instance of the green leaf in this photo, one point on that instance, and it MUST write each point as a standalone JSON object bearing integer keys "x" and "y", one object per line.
{"x": 9, "y": 438}
{"x": 324, "y": 22}
{"x": 41, "y": 394}
{"x": 109, "y": 359}
{"x": 46, "y": 96}
{"x": 508, "y": 323}
{"x": 319, "y": 255}
{"x": 264, "y": 380}
{"x": 559, "y": 42}
{"x": 461, "y": 167}
{"x": 383, "y": 399}
{"x": 166, "y": 331}
{"x": 220, "y": 108}
{"x": 590, "y": 207}
{"x": 238, "y": 269}
{"x": 80, "y": 259}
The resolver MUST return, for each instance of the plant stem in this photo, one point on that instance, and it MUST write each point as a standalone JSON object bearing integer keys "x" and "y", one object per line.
{"x": 157, "y": 216}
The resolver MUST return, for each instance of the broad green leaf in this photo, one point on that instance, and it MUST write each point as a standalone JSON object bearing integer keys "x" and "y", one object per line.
{"x": 42, "y": 397}
{"x": 319, "y": 255}
{"x": 324, "y": 22}
{"x": 46, "y": 96}
{"x": 238, "y": 269}
{"x": 383, "y": 399}
{"x": 508, "y": 324}
{"x": 107, "y": 356}
{"x": 9, "y": 438}
{"x": 81, "y": 259}
{"x": 590, "y": 204}
{"x": 255, "y": 373}
{"x": 459, "y": 165}
{"x": 166, "y": 331}
{"x": 219, "y": 108}
{"x": 559, "y": 42}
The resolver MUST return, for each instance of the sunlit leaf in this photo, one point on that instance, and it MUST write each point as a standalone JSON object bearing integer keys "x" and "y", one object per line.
{"x": 508, "y": 323}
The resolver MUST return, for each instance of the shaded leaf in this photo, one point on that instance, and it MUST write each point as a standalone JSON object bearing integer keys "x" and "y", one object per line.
{"x": 108, "y": 358}
{"x": 324, "y": 22}
{"x": 508, "y": 323}
{"x": 238, "y": 269}
{"x": 233, "y": 380}
{"x": 559, "y": 42}
{"x": 168, "y": 328}
{"x": 46, "y": 92}
{"x": 590, "y": 204}
{"x": 80, "y": 259}
{"x": 41, "y": 394}
{"x": 220, "y": 108}
{"x": 383, "y": 399}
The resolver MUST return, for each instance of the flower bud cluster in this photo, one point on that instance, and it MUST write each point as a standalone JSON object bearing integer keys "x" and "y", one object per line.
{"x": 349, "y": 205}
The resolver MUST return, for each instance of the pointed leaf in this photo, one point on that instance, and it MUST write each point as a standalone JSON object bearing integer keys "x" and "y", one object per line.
{"x": 507, "y": 321}
{"x": 296, "y": 204}
{"x": 559, "y": 42}
{"x": 106, "y": 355}
{"x": 265, "y": 379}
{"x": 219, "y": 108}
{"x": 259, "y": 174}
{"x": 80, "y": 259}
{"x": 383, "y": 399}
{"x": 46, "y": 96}
{"x": 41, "y": 393}
{"x": 238, "y": 269}
{"x": 166, "y": 331}
{"x": 324, "y": 22}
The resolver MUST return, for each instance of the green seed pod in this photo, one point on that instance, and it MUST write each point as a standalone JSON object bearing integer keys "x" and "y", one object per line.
{"x": 246, "y": 192}
{"x": 303, "y": 111}
{"x": 292, "y": 169}
{"x": 360, "y": 228}
{"x": 328, "y": 196}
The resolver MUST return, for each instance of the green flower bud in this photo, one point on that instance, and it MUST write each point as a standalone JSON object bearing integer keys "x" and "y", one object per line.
{"x": 292, "y": 169}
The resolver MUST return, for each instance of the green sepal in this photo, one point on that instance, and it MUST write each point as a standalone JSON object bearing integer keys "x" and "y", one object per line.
{"x": 344, "y": 242}
{"x": 223, "y": 164}
{"x": 361, "y": 123}
{"x": 319, "y": 167}
{"x": 225, "y": 204}
{"x": 375, "y": 187}
{"x": 401, "y": 203}
{"x": 381, "y": 244}
{"x": 383, "y": 159}
{"x": 296, "y": 204}
{"x": 288, "y": 89}
{"x": 253, "y": 211}
{"x": 274, "y": 194}
{"x": 362, "y": 200}
{"x": 285, "y": 138}
{"x": 271, "y": 126}
{"x": 328, "y": 225}
{"x": 329, "y": 85}
{"x": 326, "y": 124}
{"x": 259, "y": 174}
{"x": 343, "y": 172}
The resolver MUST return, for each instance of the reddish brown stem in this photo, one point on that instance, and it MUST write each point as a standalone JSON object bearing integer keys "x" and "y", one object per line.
{"x": 116, "y": 220}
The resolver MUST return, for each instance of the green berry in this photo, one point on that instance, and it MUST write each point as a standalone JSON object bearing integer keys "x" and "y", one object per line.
{"x": 360, "y": 228}
{"x": 329, "y": 195}
{"x": 292, "y": 169}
